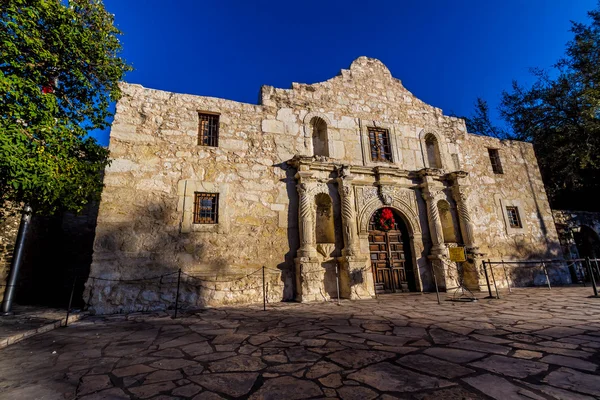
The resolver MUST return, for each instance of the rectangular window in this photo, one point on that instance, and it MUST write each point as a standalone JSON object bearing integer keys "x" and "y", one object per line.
{"x": 381, "y": 149}
{"x": 495, "y": 160}
{"x": 206, "y": 208}
{"x": 513, "y": 217}
{"x": 208, "y": 130}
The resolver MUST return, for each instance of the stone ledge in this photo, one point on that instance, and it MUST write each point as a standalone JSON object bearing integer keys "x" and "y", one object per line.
{"x": 17, "y": 337}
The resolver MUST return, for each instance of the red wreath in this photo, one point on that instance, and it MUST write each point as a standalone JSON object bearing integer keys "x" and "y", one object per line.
{"x": 386, "y": 219}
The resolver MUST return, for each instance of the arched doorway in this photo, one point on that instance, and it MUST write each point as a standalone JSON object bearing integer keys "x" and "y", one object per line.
{"x": 390, "y": 249}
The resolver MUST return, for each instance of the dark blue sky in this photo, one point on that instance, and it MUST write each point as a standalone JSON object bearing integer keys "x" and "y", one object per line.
{"x": 445, "y": 52}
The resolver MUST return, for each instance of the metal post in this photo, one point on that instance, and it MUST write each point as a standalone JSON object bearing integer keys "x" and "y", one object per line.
{"x": 177, "y": 295}
{"x": 597, "y": 268}
{"x": 494, "y": 278}
{"x": 17, "y": 260}
{"x": 593, "y": 279}
{"x": 546, "y": 273}
{"x": 70, "y": 302}
{"x": 582, "y": 270}
{"x": 337, "y": 281}
{"x": 437, "y": 290}
{"x": 506, "y": 276}
{"x": 264, "y": 292}
{"x": 487, "y": 279}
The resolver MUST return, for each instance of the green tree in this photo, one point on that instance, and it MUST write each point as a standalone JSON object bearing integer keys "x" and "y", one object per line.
{"x": 560, "y": 115}
{"x": 59, "y": 71}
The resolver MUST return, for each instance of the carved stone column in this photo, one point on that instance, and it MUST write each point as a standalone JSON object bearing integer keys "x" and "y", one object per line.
{"x": 471, "y": 275}
{"x": 310, "y": 275}
{"x": 306, "y": 221}
{"x": 459, "y": 192}
{"x": 356, "y": 279}
{"x": 348, "y": 215}
{"x": 433, "y": 218}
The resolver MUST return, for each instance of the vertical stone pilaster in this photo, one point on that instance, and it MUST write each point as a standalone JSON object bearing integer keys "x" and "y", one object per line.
{"x": 356, "y": 279}
{"x": 459, "y": 193}
{"x": 471, "y": 275}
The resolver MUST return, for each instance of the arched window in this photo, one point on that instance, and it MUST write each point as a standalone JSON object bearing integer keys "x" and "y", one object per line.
{"x": 319, "y": 137}
{"x": 325, "y": 231}
{"x": 432, "y": 151}
{"x": 448, "y": 230}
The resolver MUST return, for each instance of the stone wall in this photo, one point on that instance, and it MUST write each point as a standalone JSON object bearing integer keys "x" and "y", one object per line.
{"x": 9, "y": 227}
{"x": 266, "y": 158}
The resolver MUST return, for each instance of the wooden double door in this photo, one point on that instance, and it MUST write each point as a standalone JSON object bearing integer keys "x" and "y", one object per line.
{"x": 390, "y": 259}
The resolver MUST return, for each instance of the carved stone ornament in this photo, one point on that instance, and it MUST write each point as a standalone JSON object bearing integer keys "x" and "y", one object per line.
{"x": 386, "y": 194}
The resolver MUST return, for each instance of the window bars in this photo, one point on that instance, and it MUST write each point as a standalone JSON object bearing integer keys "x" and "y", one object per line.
{"x": 381, "y": 149}
{"x": 206, "y": 208}
{"x": 495, "y": 160}
{"x": 208, "y": 130}
{"x": 513, "y": 217}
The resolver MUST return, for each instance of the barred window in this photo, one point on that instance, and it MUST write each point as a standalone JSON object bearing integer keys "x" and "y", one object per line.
{"x": 208, "y": 130}
{"x": 206, "y": 208}
{"x": 495, "y": 160}
{"x": 513, "y": 217}
{"x": 381, "y": 149}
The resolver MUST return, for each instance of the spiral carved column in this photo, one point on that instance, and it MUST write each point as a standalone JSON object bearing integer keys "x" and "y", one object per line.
{"x": 306, "y": 219}
{"x": 435, "y": 223}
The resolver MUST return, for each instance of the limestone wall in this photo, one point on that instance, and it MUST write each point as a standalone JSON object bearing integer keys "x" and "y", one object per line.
{"x": 145, "y": 219}
{"x": 520, "y": 185}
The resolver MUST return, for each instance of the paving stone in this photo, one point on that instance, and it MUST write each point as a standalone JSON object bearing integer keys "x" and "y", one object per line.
{"x": 108, "y": 394}
{"x": 453, "y": 393}
{"x": 454, "y": 355}
{"x": 569, "y": 362}
{"x": 163, "y": 375}
{"x": 441, "y": 336}
{"x": 571, "y": 379}
{"x": 234, "y": 384}
{"x": 287, "y": 387}
{"x": 196, "y": 349}
{"x": 207, "y": 396}
{"x": 172, "y": 363}
{"x": 322, "y": 368}
{"x": 559, "y": 332}
{"x": 93, "y": 383}
{"x": 300, "y": 354}
{"x": 391, "y": 378}
{"x": 359, "y": 358}
{"x": 214, "y": 356}
{"x": 410, "y": 332}
{"x": 237, "y": 363}
{"x": 332, "y": 380}
{"x": 231, "y": 338}
{"x": 515, "y": 367}
{"x": 356, "y": 393}
{"x": 287, "y": 368}
{"x": 182, "y": 341}
{"x": 433, "y": 366}
{"x": 500, "y": 389}
{"x": 481, "y": 346}
{"x": 389, "y": 340}
{"x": 527, "y": 354}
{"x": 132, "y": 370}
{"x": 146, "y": 391}
{"x": 556, "y": 393}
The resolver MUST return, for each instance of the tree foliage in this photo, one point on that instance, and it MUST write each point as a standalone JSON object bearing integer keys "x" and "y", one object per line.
{"x": 59, "y": 71}
{"x": 560, "y": 115}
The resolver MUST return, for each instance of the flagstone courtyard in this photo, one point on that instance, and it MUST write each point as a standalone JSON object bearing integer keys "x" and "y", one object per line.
{"x": 532, "y": 344}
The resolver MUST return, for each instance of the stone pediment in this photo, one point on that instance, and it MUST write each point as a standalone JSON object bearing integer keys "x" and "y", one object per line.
{"x": 367, "y": 81}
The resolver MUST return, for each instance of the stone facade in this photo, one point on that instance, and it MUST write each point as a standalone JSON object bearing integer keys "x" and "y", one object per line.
{"x": 299, "y": 178}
